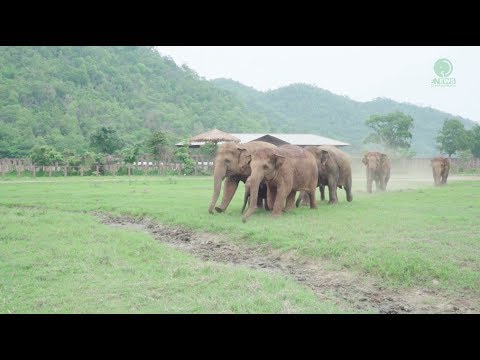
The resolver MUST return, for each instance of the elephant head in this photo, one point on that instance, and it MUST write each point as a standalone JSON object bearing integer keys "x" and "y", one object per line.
{"x": 371, "y": 161}
{"x": 264, "y": 165}
{"x": 226, "y": 162}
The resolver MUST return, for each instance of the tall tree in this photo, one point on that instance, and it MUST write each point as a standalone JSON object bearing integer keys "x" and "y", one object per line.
{"x": 106, "y": 140}
{"x": 155, "y": 142}
{"x": 475, "y": 141}
{"x": 452, "y": 137}
{"x": 392, "y": 131}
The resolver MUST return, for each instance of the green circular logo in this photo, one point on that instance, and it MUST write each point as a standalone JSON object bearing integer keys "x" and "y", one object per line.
{"x": 443, "y": 67}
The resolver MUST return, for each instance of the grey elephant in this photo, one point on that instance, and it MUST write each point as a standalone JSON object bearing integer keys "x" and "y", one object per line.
{"x": 334, "y": 170}
{"x": 378, "y": 170}
{"x": 440, "y": 169}
{"x": 229, "y": 166}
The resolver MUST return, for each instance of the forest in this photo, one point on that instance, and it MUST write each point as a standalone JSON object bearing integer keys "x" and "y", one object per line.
{"x": 304, "y": 108}
{"x": 60, "y": 96}
{"x": 63, "y": 96}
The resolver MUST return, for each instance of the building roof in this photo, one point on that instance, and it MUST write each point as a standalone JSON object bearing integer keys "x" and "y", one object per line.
{"x": 214, "y": 135}
{"x": 294, "y": 139}
{"x": 280, "y": 139}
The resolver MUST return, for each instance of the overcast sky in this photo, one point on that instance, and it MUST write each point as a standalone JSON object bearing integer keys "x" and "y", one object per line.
{"x": 362, "y": 73}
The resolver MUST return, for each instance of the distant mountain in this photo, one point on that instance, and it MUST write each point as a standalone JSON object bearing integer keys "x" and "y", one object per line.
{"x": 59, "y": 95}
{"x": 305, "y": 108}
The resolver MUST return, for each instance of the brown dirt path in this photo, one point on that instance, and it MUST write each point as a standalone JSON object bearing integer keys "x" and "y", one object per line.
{"x": 349, "y": 290}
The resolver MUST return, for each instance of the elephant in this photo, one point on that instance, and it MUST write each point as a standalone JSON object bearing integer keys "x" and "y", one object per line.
{"x": 286, "y": 170}
{"x": 227, "y": 166}
{"x": 262, "y": 195}
{"x": 334, "y": 170}
{"x": 378, "y": 170}
{"x": 440, "y": 169}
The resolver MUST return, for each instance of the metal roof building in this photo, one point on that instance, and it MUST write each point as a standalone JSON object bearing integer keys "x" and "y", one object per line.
{"x": 281, "y": 139}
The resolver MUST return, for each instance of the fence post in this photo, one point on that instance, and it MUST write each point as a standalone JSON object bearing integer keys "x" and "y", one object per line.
{"x": 129, "y": 169}
{"x": 96, "y": 167}
{"x": 33, "y": 170}
{"x": 64, "y": 170}
{"x": 81, "y": 170}
{"x": 50, "y": 171}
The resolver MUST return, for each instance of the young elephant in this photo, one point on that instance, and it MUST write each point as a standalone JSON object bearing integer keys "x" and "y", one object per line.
{"x": 334, "y": 170}
{"x": 378, "y": 170}
{"x": 262, "y": 195}
{"x": 440, "y": 169}
{"x": 286, "y": 170}
{"x": 227, "y": 165}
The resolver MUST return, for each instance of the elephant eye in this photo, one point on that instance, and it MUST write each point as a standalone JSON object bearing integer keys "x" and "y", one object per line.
{"x": 265, "y": 167}
{"x": 227, "y": 161}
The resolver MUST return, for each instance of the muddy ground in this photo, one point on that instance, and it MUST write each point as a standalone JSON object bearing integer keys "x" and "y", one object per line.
{"x": 349, "y": 290}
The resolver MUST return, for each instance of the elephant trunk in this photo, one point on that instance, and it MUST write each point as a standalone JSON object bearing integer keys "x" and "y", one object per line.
{"x": 254, "y": 185}
{"x": 219, "y": 174}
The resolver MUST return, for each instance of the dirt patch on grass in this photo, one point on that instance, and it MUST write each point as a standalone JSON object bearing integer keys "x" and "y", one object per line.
{"x": 349, "y": 290}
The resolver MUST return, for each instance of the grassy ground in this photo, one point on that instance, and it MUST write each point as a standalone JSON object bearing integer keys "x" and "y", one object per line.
{"x": 412, "y": 235}
{"x": 61, "y": 262}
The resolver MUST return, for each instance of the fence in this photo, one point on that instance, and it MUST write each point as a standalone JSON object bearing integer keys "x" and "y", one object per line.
{"x": 203, "y": 165}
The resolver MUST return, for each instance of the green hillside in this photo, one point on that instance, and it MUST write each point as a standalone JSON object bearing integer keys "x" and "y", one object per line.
{"x": 60, "y": 95}
{"x": 304, "y": 108}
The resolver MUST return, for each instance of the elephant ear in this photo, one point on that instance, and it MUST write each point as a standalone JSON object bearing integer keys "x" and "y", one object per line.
{"x": 364, "y": 160}
{"x": 324, "y": 156}
{"x": 278, "y": 160}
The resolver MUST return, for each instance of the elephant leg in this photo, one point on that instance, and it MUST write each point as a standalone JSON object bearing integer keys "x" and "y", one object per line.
{"x": 259, "y": 202}
{"x": 313, "y": 200}
{"x": 348, "y": 189}
{"x": 444, "y": 179}
{"x": 228, "y": 191}
{"x": 290, "y": 200}
{"x": 245, "y": 200}
{"x": 369, "y": 185}
{"x": 332, "y": 190}
{"x": 271, "y": 195}
{"x": 322, "y": 192}
{"x": 300, "y": 198}
{"x": 280, "y": 198}
{"x": 266, "y": 204}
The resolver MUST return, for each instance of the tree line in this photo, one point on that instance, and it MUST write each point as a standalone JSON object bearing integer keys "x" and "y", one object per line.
{"x": 393, "y": 133}
{"x": 105, "y": 143}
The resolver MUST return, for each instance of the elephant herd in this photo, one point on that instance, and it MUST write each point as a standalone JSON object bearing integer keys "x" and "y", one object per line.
{"x": 273, "y": 175}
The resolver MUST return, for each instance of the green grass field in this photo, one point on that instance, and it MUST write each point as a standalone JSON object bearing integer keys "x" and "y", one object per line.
{"x": 55, "y": 256}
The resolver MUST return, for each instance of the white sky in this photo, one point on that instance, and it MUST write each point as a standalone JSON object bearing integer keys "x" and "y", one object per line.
{"x": 359, "y": 72}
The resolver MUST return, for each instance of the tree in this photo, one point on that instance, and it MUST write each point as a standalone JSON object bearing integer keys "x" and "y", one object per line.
{"x": 392, "y": 131}
{"x": 155, "y": 142}
{"x": 475, "y": 141}
{"x": 106, "y": 140}
{"x": 129, "y": 154}
{"x": 452, "y": 137}
{"x": 45, "y": 155}
{"x": 182, "y": 155}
